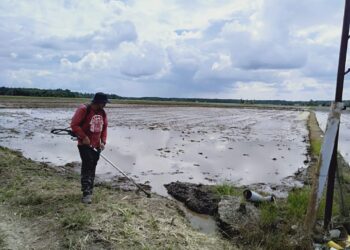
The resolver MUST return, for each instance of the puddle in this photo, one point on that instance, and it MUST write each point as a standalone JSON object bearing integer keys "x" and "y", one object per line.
{"x": 201, "y": 222}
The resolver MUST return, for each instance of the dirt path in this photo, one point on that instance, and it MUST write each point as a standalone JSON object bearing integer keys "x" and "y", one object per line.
{"x": 316, "y": 134}
{"x": 316, "y": 139}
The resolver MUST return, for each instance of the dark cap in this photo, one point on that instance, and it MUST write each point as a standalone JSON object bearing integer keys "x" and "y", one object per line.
{"x": 100, "y": 98}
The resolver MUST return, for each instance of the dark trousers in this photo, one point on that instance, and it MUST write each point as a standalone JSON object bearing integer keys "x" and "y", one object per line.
{"x": 89, "y": 159}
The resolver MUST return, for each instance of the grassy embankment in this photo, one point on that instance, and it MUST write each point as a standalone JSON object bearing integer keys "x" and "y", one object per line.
{"x": 281, "y": 224}
{"x": 316, "y": 139}
{"x": 45, "y": 204}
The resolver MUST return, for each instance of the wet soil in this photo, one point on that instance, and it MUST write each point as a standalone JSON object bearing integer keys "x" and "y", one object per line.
{"x": 197, "y": 197}
{"x": 204, "y": 199}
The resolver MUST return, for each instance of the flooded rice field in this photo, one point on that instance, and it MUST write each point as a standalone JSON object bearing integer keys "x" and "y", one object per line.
{"x": 158, "y": 145}
{"x": 344, "y": 131}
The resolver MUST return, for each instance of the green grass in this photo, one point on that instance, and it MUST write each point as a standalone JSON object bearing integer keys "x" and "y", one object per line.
{"x": 29, "y": 199}
{"x": 315, "y": 135}
{"x": 315, "y": 146}
{"x": 6, "y": 194}
{"x": 78, "y": 219}
{"x": 227, "y": 189}
{"x": 268, "y": 214}
{"x": 297, "y": 203}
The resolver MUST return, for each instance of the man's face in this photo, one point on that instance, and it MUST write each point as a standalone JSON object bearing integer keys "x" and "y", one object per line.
{"x": 101, "y": 105}
{"x": 98, "y": 106}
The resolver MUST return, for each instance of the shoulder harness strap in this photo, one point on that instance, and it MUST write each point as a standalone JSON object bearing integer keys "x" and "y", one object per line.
{"x": 88, "y": 108}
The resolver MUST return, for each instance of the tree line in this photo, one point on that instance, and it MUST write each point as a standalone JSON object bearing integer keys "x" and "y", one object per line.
{"x": 48, "y": 93}
{"x": 67, "y": 93}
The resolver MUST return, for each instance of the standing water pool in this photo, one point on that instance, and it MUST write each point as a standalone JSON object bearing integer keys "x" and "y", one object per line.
{"x": 161, "y": 144}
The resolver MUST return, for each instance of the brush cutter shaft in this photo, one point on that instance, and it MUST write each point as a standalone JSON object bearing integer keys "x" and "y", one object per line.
{"x": 117, "y": 168}
{"x": 137, "y": 185}
{"x": 59, "y": 131}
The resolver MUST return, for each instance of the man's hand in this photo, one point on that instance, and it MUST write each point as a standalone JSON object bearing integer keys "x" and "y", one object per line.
{"x": 102, "y": 146}
{"x": 86, "y": 141}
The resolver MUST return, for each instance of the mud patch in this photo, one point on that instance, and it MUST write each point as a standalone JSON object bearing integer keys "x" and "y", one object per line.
{"x": 197, "y": 197}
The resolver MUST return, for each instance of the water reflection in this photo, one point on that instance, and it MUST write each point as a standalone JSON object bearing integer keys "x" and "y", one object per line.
{"x": 344, "y": 131}
{"x": 161, "y": 144}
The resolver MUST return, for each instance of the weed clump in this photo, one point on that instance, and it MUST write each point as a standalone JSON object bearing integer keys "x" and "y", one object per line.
{"x": 30, "y": 199}
{"x": 268, "y": 214}
{"x": 227, "y": 189}
{"x": 297, "y": 203}
{"x": 76, "y": 220}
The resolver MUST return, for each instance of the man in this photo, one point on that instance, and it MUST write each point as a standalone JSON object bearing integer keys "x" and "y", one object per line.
{"x": 89, "y": 123}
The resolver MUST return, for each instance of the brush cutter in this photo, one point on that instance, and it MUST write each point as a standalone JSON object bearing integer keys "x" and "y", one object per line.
{"x": 67, "y": 131}
{"x": 120, "y": 171}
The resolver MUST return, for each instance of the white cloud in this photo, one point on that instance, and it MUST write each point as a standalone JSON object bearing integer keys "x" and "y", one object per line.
{"x": 91, "y": 61}
{"x": 319, "y": 34}
{"x": 254, "y": 90}
{"x": 229, "y": 48}
{"x": 142, "y": 60}
{"x": 25, "y": 76}
{"x": 223, "y": 63}
{"x": 107, "y": 38}
{"x": 185, "y": 57}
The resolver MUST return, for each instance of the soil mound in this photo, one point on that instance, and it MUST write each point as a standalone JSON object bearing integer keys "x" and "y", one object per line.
{"x": 197, "y": 197}
{"x": 233, "y": 215}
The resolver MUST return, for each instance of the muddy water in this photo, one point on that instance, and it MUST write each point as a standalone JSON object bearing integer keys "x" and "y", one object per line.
{"x": 159, "y": 145}
{"x": 202, "y": 222}
{"x": 344, "y": 131}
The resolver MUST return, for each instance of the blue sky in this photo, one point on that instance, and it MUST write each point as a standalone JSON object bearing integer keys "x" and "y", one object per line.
{"x": 256, "y": 49}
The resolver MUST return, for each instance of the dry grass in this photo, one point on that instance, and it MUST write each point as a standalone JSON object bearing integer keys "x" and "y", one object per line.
{"x": 2, "y": 240}
{"x": 115, "y": 220}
